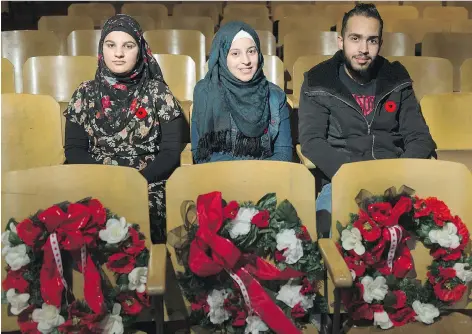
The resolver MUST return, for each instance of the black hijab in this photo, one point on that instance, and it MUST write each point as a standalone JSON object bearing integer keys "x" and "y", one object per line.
{"x": 119, "y": 95}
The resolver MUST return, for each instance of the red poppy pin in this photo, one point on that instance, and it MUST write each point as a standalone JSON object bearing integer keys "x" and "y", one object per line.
{"x": 141, "y": 113}
{"x": 390, "y": 106}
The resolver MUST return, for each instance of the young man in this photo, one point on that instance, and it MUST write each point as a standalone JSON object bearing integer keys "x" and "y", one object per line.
{"x": 358, "y": 106}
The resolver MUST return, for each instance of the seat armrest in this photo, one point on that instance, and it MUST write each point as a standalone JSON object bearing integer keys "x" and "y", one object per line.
{"x": 307, "y": 162}
{"x": 334, "y": 262}
{"x": 156, "y": 280}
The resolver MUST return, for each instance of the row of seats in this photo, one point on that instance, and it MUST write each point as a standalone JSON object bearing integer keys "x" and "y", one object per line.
{"x": 447, "y": 115}
{"x": 234, "y": 10}
{"x": 19, "y": 46}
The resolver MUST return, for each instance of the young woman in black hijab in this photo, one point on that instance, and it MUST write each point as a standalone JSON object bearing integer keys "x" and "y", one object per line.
{"x": 127, "y": 115}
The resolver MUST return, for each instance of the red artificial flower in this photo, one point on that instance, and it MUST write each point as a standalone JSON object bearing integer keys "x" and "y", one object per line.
{"x": 239, "y": 319}
{"x": 390, "y": 106}
{"x": 462, "y": 232}
{"x": 298, "y": 311}
{"x": 449, "y": 293}
{"x": 129, "y": 304}
{"x": 120, "y": 86}
{"x": 15, "y": 280}
{"x": 446, "y": 254}
{"x": 307, "y": 287}
{"x": 431, "y": 205}
{"x": 26, "y": 323}
{"x": 400, "y": 297}
{"x": 143, "y": 298}
{"x": 402, "y": 316}
{"x": 370, "y": 231}
{"x": 363, "y": 311}
{"x": 261, "y": 219}
{"x": 201, "y": 304}
{"x": 230, "y": 211}
{"x": 447, "y": 273}
{"x": 304, "y": 235}
{"x": 141, "y": 113}
{"x": 279, "y": 256}
{"x": 106, "y": 103}
{"x": 81, "y": 322}
{"x": 133, "y": 104}
{"x": 121, "y": 263}
{"x": 136, "y": 245}
{"x": 357, "y": 265}
{"x": 30, "y": 232}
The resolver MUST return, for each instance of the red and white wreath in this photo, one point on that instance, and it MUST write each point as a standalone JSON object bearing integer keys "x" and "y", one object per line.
{"x": 374, "y": 246}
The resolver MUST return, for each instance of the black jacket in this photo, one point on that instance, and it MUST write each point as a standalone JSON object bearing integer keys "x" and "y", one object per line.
{"x": 334, "y": 131}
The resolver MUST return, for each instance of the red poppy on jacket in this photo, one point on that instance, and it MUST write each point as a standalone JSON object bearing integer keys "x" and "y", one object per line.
{"x": 141, "y": 113}
{"x": 390, "y": 106}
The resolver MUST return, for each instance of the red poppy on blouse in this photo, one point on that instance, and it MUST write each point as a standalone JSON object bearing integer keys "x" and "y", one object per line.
{"x": 141, "y": 113}
{"x": 390, "y": 106}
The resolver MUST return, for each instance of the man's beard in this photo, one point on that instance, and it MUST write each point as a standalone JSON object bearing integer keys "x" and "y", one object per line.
{"x": 361, "y": 76}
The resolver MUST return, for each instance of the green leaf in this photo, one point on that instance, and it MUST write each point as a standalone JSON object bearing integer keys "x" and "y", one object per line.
{"x": 286, "y": 213}
{"x": 339, "y": 227}
{"x": 14, "y": 239}
{"x": 122, "y": 279}
{"x": 4, "y": 297}
{"x": 268, "y": 202}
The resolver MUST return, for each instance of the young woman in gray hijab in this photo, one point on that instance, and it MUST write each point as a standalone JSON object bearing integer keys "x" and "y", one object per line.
{"x": 237, "y": 113}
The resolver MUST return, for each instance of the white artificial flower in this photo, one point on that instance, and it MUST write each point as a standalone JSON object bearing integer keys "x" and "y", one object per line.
{"x": 16, "y": 257}
{"x": 425, "y": 312}
{"x": 18, "y": 301}
{"x": 48, "y": 318}
{"x": 241, "y": 224}
{"x": 462, "y": 273}
{"x": 6, "y": 239}
{"x": 447, "y": 237}
{"x": 137, "y": 279}
{"x": 6, "y": 242}
{"x": 290, "y": 295}
{"x": 382, "y": 320}
{"x": 216, "y": 300}
{"x": 352, "y": 239}
{"x": 113, "y": 323}
{"x": 115, "y": 231}
{"x": 374, "y": 289}
{"x": 255, "y": 325}
{"x": 287, "y": 239}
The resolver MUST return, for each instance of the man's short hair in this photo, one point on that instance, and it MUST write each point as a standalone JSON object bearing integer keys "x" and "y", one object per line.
{"x": 362, "y": 9}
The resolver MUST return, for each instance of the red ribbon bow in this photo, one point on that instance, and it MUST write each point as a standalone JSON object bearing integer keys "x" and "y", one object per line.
{"x": 72, "y": 230}
{"x": 226, "y": 256}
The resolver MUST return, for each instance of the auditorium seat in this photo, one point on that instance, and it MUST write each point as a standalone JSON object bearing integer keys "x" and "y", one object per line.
{"x": 8, "y": 76}
{"x": 453, "y": 46}
{"x": 96, "y": 11}
{"x": 466, "y": 76}
{"x": 208, "y": 9}
{"x": 57, "y": 76}
{"x": 446, "y": 13}
{"x": 83, "y": 43}
{"x": 201, "y": 23}
{"x": 63, "y": 26}
{"x": 145, "y": 22}
{"x": 158, "y": 12}
{"x": 19, "y": 45}
{"x": 183, "y": 42}
{"x": 31, "y": 132}
{"x": 257, "y": 23}
{"x": 430, "y": 75}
